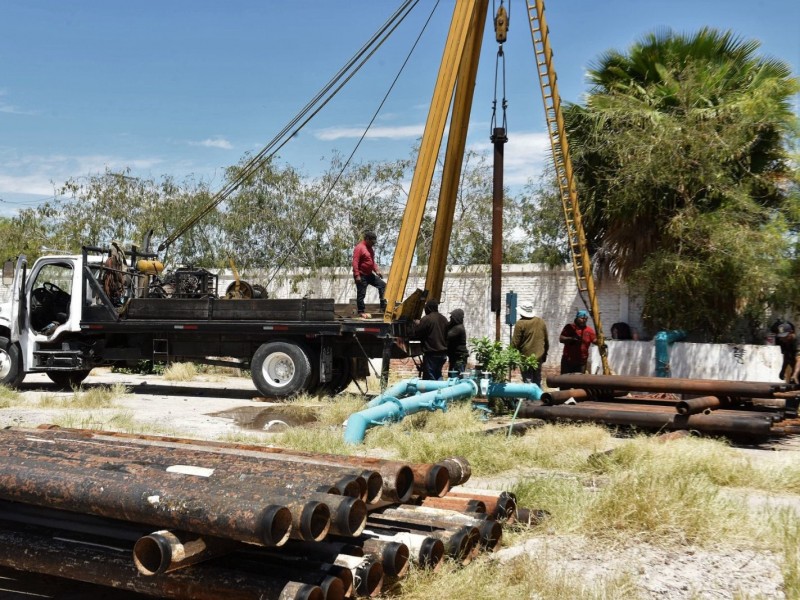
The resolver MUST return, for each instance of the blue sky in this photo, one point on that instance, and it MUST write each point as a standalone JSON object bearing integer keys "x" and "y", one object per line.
{"x": 187, "y": 87}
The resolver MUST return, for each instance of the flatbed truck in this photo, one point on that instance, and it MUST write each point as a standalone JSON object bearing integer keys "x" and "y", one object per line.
{"x": 59, "y": 318}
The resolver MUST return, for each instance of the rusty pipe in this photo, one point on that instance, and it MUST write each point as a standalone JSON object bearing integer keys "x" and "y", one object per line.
{"x": 454, "y": 503}
{"x": 159, "y": 502}
{"x": 491, "y": 532}
{"x": 714, "y": 423}
{"x": 459, "y": 541}
{"x": 750, "y": 389}
{"x": 305, "y": 569}
{"x": 214, "y": 465}
{"x": 459, "y": 469}
{"x": 694, "y": 406}
{"x": 34, "y": 550}
{"x": 425, "y": 550}
{"x": 398, "y": 478}
{"x": 499, "y": 505}
{"x": 165, "y": 551}
{"x": 367, "y": 573}
{"x": 394, "y": 555}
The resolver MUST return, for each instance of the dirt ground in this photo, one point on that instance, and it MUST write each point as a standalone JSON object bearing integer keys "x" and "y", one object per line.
{"x": 212, "y": 406}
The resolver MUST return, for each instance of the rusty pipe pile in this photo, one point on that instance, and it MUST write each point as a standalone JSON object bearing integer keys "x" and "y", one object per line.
{"x": 705, "y": 387}
{"x": 398, "y": 481}
{"x": 162, "y": 516}
{"x": 717, "y": 407}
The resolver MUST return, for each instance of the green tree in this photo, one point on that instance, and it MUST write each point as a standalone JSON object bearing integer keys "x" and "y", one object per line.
{"x": 681, "y": 153}
{"x": 471, "y": 235}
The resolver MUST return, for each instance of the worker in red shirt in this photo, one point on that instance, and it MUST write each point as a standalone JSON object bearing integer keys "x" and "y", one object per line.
{"x": 366, "y": 272}
{"x": 576, "y": 337}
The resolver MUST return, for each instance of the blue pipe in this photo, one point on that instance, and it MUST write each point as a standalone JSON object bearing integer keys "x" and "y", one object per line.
{"x": 395, "y": 409}
{"x": 662, "y": 341}
{"x": 409, "y": 387}
{"x": 503, "y": 389}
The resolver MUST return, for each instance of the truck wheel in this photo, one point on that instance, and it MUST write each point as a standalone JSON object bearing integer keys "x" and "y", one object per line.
{"x": 281, "y": 369}
{"x": 68, "y": 379}
{"x": 11, "y": 373}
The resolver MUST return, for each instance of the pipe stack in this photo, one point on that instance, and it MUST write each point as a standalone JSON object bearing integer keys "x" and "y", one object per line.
{"x": 176, "y": 518}
{"x": 732, "y": 408}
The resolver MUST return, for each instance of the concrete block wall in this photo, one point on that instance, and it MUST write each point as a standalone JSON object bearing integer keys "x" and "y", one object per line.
{"x": 553, "y": 292}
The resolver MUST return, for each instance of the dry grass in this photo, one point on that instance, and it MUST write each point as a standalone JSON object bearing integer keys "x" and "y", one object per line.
{"x": 518, "y": 578}
{"x": 180, "y": 372}
{"x": 123, "y": 420}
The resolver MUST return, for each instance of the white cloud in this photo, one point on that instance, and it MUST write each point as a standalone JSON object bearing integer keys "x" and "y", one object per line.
{"x": 384, "y": 133}
{"x": 524, "y": 156}
{"x": 216, "y": 142}
{"x": 39, "y": 174}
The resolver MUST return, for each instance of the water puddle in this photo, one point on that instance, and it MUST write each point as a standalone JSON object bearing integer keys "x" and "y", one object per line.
{"x": 275, "y": 418}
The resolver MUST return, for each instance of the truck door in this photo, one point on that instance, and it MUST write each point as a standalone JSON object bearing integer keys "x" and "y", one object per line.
{"x": 18, "y": 312}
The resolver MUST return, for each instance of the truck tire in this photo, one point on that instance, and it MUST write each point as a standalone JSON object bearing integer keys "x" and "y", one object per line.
{"x": 11, "y": 373}
{"x": 68, "y": 379}
{"x": 281, "y": 369}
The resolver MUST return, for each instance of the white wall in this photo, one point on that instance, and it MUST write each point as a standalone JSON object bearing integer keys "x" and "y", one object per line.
{"x": 554, "y": 295}
{"x": 732, "y": 362}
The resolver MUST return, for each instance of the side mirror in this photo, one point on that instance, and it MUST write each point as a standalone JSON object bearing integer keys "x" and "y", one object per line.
{"x": 8, "y": 272}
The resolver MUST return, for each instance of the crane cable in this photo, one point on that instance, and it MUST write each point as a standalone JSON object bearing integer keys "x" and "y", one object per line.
{"x": 325, "y": 199}
{"x": 254, "y": 164}
{"x": 501, "y": 21}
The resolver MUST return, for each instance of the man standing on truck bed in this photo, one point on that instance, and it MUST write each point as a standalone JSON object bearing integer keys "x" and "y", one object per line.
{"x": 366, "y": 272}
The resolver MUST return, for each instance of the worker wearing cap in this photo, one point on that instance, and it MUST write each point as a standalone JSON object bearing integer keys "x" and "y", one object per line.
{"x": 366, "y": 272}
{"x": 787, "y": 340}
{"x": 576, "y": 337}
{"x": 530, "y": 338}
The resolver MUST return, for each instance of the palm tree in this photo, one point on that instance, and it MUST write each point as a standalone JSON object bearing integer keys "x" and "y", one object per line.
{"x": 681, "y": 152}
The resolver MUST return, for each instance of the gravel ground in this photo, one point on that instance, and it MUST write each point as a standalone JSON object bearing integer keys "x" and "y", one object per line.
{"x": 211, "y": 406}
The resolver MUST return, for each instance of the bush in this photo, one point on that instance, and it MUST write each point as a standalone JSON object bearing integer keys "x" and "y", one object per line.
{"x": 498, "y": 360}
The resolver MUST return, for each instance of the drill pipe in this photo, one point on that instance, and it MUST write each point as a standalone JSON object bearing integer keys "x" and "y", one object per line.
{"x": 169, "y": 502}
{"x": 454, "y": 503}
{"x": 715, "y": 423}
{"x": 334, "y": 587}
{"x": 491, "y": 532}
{"x": 348, "y": 513}
{"x": 459, "y": 469}
{"x": 499, "y": 505}
{"x": 367, "y": 573}
{"x": 749, "y": 389}
{"x": 165, "y": 551}
{"x": 694, "y": 406}
{"x": 397, "y": 477}
{"x": 560, "y": 396}
{"x": 216, "y": 466}
{"x": 35, "y": 550}
{"x": 310, "y": 511}
{"x": 394, "y": 554}
{"x": 427, "y": 551}
{"x": 44, "y": 517}
{"x": 460, "y": 541}
{"x": 304, "y": 569}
